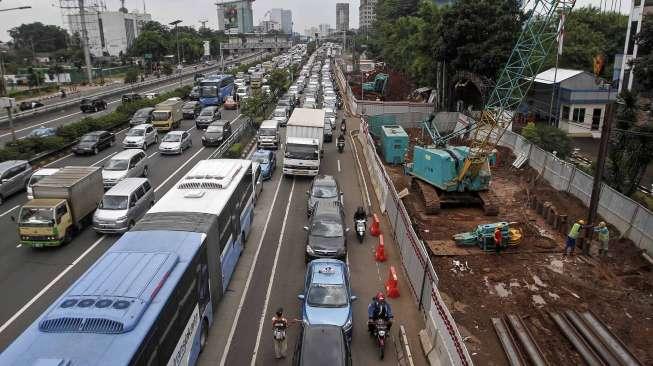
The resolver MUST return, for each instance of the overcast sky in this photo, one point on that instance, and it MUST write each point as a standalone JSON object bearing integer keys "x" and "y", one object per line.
{"x": 305, "y": 13}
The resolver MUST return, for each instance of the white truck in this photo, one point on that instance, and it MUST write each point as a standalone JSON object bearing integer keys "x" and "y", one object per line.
{"x": 303, "y": 148}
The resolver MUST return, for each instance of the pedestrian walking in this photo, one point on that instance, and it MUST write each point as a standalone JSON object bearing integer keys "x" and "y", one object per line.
{"x": 572, "y": 236}
{"x": 279, "y": 327}
{"x": 498, "y": 239}
{"x": 604, "y": 238}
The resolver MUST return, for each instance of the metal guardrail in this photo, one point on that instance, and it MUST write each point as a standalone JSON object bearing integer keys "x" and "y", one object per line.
{"x": 128, "y": 88}
{"x": 235, "y": 136}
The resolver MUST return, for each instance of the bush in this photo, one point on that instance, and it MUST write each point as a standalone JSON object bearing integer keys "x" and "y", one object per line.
{"x": 131, "y": 76}
{"x": 549, "y": 138}
{"x": 235, "y": 150}
{"x": 167, "y": 69}
{"x": 644, "y": 199}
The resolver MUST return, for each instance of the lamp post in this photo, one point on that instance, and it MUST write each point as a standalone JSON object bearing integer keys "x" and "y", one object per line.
{"x": 179, "y": 67}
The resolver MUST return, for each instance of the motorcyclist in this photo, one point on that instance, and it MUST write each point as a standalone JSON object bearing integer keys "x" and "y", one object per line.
{"x": 379, "y": 309}
{"x": 343, "y": 126}
{"x": 341, "y": 140}
{"x": 360, "y": 214}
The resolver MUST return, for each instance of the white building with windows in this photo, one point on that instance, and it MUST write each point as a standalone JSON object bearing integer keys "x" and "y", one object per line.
{"x": 284, "y": 18}
{"x": 576, "y": 99}
{"x": 109, "y": 32}
{"x": 366, "y": 14}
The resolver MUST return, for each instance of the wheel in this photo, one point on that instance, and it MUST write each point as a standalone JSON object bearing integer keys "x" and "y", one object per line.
{"x": 94, "y": 109}
{"x": 68, "y": 237}
{"x": 96, "y": 151}
{"x": 131, "y": 225}
{"x": 145, "y": 145}
{"x": 156, "y": 139}
{"x": 381, "y": 352}
{"x": 204, "y": 334}
{"x": 146, "y": 170}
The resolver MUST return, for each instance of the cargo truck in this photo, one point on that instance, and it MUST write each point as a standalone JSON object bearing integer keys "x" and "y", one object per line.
{"x": 303, "y": 148}
{"x": 63, "y": 204}
{"x": 167, "y": 115}
{"x": 256, "y": 80}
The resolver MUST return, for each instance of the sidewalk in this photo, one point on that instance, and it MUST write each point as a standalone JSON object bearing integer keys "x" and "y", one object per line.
{"x": 404, "y": 307}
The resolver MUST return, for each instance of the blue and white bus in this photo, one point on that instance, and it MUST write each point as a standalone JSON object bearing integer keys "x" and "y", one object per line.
{"x": 215, "y": 88}
{"x": 149, "y": 299}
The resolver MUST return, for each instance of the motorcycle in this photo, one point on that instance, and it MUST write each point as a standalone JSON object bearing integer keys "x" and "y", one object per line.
{"x": 360, "y": 229}
{"x": 341, "y": 145}
{"x": 380, "y": 334}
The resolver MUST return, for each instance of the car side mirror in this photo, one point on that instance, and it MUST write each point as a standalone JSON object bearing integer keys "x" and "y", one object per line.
{"x": 353, "y": 298}
{"x": 305, "y": 228}
{"x": 301, "y": 297}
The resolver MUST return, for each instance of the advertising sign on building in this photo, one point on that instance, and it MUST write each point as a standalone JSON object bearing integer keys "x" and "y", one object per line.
{"x": 230, "y": 16}
{"x": 207, "y": 48}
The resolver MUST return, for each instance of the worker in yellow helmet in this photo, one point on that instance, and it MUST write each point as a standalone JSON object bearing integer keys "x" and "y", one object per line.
{"x": 604, "y": 238}
{"x": 572, "y": 236}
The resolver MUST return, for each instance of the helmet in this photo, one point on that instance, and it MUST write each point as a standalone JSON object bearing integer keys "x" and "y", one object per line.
{"x": 582, "y": 222}
{"x": 602, "y": 224}
{"x": 380, "y": 296}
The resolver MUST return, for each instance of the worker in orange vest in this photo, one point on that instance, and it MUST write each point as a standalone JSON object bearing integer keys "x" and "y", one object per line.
{"x": 498, "y": 239}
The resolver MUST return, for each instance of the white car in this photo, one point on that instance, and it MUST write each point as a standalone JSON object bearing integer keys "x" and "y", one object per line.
{"x": 140, "y": 137}
{"x": 152, "y": 95}
{"x": 175, "y": 142}
{"x": 240, "y": 83}
{"x": 242, "y": 92}
{"x": 266, "y": 89}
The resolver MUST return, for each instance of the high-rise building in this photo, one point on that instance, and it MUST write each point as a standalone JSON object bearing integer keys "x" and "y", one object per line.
{"x": 310, "y": 32}
{"x": 235, "y": 16}
{"x": 269, "y": 25}
{"x": 283, "y": 17}
{"x": 342, "y": 17}
{"x": 324, "y": 30}
{"x": 109, "y": 32}
{"x": 367, "y": 14}
{"x": 638, "y": 11}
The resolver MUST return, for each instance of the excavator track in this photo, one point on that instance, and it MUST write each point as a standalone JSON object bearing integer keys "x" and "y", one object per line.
{"x": 429, "y": 196}
{"x": 490, "y": 202}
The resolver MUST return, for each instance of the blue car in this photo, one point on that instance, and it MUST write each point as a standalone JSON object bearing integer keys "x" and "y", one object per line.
{"x": 268, "y": 161}
{"x": 327, "y": 297}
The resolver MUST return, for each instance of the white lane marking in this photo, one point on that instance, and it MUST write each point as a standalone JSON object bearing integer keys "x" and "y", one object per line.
{"x": 9, "y": 210}
{"x": 225, "y": 352}
{"x": 178, "y": 169}
{"x": 338, "y": 165}
{"x": 49, "y": 285}
{"x": 61, "y": 158}
{"x": 190, "y": 129}
{"x": 272, "y": 275}
{"x": 103, "y": 159}
{"x": 152, "y": 155}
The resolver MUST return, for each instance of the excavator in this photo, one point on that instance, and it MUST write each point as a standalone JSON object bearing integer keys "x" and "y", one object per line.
{"x": 454, "y": 175}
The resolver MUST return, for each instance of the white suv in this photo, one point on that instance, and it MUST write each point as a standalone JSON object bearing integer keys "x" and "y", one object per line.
{"x": 140, "y": 137}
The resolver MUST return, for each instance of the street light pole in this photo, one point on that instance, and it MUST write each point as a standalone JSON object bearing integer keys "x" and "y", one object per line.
{"x": 179, "y": 67}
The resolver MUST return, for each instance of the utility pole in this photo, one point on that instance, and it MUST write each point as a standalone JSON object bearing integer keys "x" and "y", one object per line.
{"x": 87, "y": 53}
{"x": 36, "y": 72}
{"x": 221, "y": 60}
{"x": 179, "y": 67}
{"x": 598, "y": 175}
{"x": 9, "y": 103}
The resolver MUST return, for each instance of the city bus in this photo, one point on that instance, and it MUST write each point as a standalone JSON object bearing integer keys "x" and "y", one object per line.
{"x": 215, "y": 88}
{"x": 149, "y": 299}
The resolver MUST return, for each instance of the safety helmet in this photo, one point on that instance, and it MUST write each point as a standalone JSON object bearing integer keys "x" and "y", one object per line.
{"x": 602, "y": 224}
{"x": 582, "y": 222}
{"x": 380, "y": 296}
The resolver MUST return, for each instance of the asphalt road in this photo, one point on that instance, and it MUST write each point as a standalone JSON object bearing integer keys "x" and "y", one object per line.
{"x": 31, "y": 278}
{"x": 25, "y": 126}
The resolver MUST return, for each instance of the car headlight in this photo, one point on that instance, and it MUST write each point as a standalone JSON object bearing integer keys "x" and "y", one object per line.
{"x": 309, "y": 250}
{"x": 121, "y": 219}
{"x": 347, "y": 326}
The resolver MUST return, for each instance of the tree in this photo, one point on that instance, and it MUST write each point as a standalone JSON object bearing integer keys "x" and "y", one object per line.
{"x": 55, "y": 71}
{"x": 131, "y": 76}
{"x": 167, "y": 69}
{"x": 34, "y": 77}
{"x": 643, "y": 64}
{"x": 46, "y": 38}
{"x": 549, "y": 138}
{"x": 278, "y": 80}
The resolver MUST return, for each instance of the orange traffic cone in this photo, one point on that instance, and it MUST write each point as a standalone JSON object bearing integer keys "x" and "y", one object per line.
{"x": 379, "y": 253}
{"x": 375, "y": 228}
{"x": 392, "y": 284}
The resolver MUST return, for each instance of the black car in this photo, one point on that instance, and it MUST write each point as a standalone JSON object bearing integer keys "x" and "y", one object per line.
{"x": 207, "y": 116}
{"x": 216, "y": 133}
{"x": 131, "y": 97}
{"x": 24, "y": 106}
{"x": 326, "y": 232}
{"x": 322, "y": 345}
{"x": 143, "y": 115}
{"x": 191, "y": 109}
{"x": 92, "y": 105}
{"x": 93, "y": 142}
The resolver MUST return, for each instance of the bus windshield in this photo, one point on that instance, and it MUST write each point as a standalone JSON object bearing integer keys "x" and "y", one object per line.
{"x": 209, "y": 91}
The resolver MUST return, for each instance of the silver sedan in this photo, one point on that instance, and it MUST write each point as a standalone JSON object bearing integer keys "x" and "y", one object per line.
{"x": 175, "y": 142}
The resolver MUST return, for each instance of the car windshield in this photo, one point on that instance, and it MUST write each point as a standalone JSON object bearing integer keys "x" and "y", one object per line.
{"x": 89, "y": 138}
{"x": 172, "y": 137}
{"x": 267, "y": 131}
{"x": 142, "y": 114}
{"x": 325, "y": 295}
{"x": 207, "y": 112}
{"x": 305, "y": 152}
{"x": 117, "y": 164}
{"x": 324, "y": 191}
{"x": 160, "y": 116}
{"x": 219, "y": 128}
{"x": 114, "y": 203}
{"x": 326, "y": 229}
{"x": 136, "y": 132}
{"x": 35, "y": 216}
{"x": 261, "y": 159}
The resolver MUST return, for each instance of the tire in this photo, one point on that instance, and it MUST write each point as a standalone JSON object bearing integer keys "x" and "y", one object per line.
{"x": 145, "y": 145}
{"x": 68, "y": 237}
{"x": 381, "y": 352}
{"x": 204, "y": 334}
{"x": 96, "y": 151}
{"x": 156, "y": 139}
{"x": 146, "y": 170}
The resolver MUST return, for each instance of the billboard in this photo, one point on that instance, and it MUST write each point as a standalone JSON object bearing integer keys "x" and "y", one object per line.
{"x": 207, "y": 48}
{"x": 230, "y": 16}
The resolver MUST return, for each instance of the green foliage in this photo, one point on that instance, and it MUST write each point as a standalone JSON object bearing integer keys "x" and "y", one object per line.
{"x": 167, "y": 69}
{"x": 67, "y": 134}
{"x": 644, "y": 62}
{"x": 278, "y": 80}
{"x": 35, "y": 77}
{"x": 44, "y": 38}
{"x": 235, "y": 150}
{"x": 643, "y": 198}
{"x": 549, "y": 138}
{"x": 631, "y": 147}
{"x": 589, "y": 32}
{"x": 131, "y": 76}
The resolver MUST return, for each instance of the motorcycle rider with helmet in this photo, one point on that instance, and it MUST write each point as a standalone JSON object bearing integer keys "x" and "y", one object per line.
{"x": 379, "y": 309}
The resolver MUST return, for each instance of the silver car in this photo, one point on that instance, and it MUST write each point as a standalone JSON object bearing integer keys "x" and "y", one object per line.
{"x": 14, "y": 176}
{"x": 125, "y": 164}
{"x": 175, "y": 142}
{"x": 123, "y": 205}
{"x": 140, "y": 137}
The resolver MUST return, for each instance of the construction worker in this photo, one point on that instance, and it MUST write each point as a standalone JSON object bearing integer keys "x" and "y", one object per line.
{"x": 604, "y": 238}
{"x": 572, "y": 236}
{"x": 498, "y": 239}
